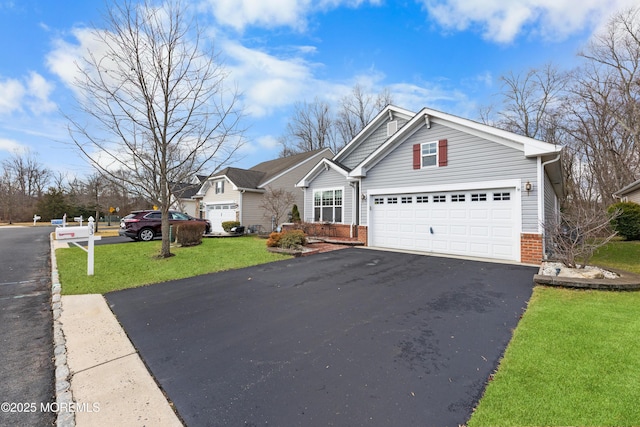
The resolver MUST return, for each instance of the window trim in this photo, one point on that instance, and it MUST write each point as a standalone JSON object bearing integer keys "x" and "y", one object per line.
{"x": 333, "y": 207}
{"x": 434, "y": 155}
{"x": 219, "y": 186}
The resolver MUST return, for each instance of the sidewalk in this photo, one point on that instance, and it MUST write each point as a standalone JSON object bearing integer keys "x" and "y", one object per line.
{"x": 108, "y": 382}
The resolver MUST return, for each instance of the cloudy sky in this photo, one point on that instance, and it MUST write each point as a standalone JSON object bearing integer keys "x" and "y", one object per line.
{"x": 443, "y": 54}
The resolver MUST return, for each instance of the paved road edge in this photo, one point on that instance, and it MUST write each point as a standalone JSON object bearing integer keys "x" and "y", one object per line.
{"x": 64, "y": 397}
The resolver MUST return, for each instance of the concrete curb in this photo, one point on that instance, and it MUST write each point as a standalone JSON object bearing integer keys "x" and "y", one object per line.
{"x": 64, "y": 398}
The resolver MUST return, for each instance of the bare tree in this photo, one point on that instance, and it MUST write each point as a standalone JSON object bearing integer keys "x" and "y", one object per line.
{"x": 310, "y": 128}
{"x": 573, "y": 237}
{"x": 357, "y": 110}
{"x": 24, "y": 180}
{"x": 155, "y": 107}
{"x": 606, "y": 106}
{"x": 532, "y": 102}
{"x": 276, "y": 203}
{"x": 314, "y": 125}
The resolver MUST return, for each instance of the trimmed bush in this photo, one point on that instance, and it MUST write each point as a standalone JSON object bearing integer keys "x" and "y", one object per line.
{"x": 627, "y": 223}
{"x": 228, "y": 225}
{"x": 292, "y": 239}
{"x": 189, "y": 233}
{"x": 274, "y": 240}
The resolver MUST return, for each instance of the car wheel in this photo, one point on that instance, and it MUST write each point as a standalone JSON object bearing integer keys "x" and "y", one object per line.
{"x": 146, "y": 234}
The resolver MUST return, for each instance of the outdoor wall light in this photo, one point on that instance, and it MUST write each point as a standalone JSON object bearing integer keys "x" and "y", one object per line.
{"x": 528, "y": 186}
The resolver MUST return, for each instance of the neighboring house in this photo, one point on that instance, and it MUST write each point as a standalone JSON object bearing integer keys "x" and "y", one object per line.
{"x": 235, "y": 194}
{"x": 630, "y": 193}
{"x": 182, "y": 196}
{"x": 434, "y": 182}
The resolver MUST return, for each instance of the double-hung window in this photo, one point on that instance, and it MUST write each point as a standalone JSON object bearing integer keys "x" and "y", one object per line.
{"x": 429, "y": 152}
{"x": 327, "y": 205}
{"x": 220, "y": 187}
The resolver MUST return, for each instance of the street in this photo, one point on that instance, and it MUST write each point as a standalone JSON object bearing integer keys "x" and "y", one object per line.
{"x": 26, "y": 337}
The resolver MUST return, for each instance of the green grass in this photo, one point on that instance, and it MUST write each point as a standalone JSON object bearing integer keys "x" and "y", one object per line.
{"x": 619, "y": 254}
{"x": 573, "y": 360}
{"x": 136, "y": 264}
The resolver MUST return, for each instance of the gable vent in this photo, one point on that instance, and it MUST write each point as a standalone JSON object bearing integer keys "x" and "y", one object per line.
{"x": 392, "y": 127}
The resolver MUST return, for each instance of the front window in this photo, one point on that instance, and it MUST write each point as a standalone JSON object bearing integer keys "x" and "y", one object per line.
{"x": 219, "y": 187}
{"x": 429, "y": 151}
{"x": 327, "y": 206}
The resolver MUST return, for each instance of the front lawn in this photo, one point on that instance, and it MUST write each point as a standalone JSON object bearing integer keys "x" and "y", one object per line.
{"x": 619, "y": 254}
{"x": 121, "y": 266}
{"x": 573, "y": 358}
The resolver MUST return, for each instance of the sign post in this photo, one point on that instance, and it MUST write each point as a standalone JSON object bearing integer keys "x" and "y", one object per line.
{"x": 81, "y": 234}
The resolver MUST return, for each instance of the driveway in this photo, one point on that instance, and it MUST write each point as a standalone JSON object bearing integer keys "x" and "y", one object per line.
{"x": 26, "y": 322}
{"x": 351, "y": 337}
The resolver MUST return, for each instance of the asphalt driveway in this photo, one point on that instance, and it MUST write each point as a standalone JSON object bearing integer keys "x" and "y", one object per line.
{"x": 347, "y": 338}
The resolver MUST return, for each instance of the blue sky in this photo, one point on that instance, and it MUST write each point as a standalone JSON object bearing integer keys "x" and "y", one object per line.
{"x": 442, "y": 54}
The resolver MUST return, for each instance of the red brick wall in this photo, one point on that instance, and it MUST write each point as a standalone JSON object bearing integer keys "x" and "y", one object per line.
{"x": 531, "y": 248}
{"x": 362, "y": 234}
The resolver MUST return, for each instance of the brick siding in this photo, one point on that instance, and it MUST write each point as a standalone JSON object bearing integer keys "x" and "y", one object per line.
{"x": 531, "y": 248}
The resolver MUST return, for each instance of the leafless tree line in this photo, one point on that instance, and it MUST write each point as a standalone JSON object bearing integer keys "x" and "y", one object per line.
{"x": 28, "y": 188}
{"x": 315, "y": 124}
{"x": 592, "y": 110}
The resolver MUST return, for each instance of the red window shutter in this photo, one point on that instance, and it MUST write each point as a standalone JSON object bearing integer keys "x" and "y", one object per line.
{"x": 416, "y": 156}
{"x": 442, "y": 152}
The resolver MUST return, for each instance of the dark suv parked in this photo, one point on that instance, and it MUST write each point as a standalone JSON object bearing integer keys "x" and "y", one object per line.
{"x": 146, "y": 225}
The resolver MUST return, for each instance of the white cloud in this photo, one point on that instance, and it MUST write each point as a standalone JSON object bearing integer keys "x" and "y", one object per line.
{"x": 502, "y": 21}
{"x": 10, "y": 145}
{"x": 63, "y": 60}
{"x": 40, "y": 91}
{"x": 13, "y": 92}
{"x": 268, "y": 142}
{"x": 268, "y": 82}
{"x": 33, "y": 92}
{"x": 240, "y": 14}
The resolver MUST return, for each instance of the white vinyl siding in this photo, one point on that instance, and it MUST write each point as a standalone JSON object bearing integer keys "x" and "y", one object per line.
{"x": 373, "y": 141}
{"x": 471, "y": 159}
{"x": 329, "y": 179}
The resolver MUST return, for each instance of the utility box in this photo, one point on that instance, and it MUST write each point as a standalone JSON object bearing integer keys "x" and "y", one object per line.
{"x": 68, "y": 233}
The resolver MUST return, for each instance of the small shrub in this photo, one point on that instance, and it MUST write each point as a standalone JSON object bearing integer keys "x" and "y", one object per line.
{"x": 627, "y": 223}
{"x": 274, "y": 240}
{"x": 228, "y": 225}
{"x": 295, "y": 214}
{"x": 189, "y": 233}
{"x": 292, "y": 239}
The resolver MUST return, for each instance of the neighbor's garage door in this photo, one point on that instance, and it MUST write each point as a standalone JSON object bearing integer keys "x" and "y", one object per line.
{"x": 472, "y": 223}
{"x": 217, "y": 214}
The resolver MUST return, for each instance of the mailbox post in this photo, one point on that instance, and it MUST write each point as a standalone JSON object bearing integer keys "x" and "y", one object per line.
{"x": 80, "y": 234}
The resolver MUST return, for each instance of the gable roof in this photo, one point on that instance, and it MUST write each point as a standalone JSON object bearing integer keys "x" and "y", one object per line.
{"x": 324, "y": 164}
{"x": 275, "y": 168}
{"x": 425, "y": 117}
{"x": 634, "y": 186}
{"x": 260, "y": 175}
{"x": 240, "y": 178}
{"x": 389, "y": 112}
{"x": 184, "y": 190}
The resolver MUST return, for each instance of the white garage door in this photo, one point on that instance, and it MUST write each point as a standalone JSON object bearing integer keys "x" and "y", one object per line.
{"x": 217, "y": 214}
{"x": 479, "y": 223}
